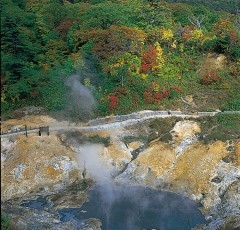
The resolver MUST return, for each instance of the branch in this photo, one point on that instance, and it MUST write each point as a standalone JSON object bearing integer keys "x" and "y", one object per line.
{"x": 188, "y": 103}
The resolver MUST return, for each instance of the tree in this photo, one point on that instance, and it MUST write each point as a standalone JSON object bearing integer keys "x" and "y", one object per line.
{"x": 119, "y": 39}
{"x": 122, "y": 66}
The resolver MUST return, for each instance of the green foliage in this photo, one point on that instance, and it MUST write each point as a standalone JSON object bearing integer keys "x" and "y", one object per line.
{"x": 221, "y": 127}
{"x": 5, "y": 224}
{"x": 221, "y": 5}
{"x": 129, "y": 139}
{"x": 82, "y": 139}
{"x": 108, "y": 43}
{"x": 233, "y": 105}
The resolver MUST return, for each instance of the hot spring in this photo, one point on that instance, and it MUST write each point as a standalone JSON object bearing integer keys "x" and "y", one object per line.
{"x": 131, "y": 208}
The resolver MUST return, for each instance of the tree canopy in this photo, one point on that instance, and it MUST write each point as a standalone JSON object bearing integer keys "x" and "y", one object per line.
{"x": 144, "y": 53}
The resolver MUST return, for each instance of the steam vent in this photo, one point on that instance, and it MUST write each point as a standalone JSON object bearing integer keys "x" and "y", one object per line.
{"x": 120, "y": 115}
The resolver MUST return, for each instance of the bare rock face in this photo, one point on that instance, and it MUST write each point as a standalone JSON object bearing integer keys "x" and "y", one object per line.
{"x": 116, "y": 155}
{"x": 132, "y": 146}
{"x": 151, "y": 164}
{"x": 35, "y": 162}
{"x": 190, "y": 167}
{"x": 208, "y": 173}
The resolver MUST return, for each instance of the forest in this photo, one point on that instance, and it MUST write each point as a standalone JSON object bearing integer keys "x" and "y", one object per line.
{"x": 131, "y": 54}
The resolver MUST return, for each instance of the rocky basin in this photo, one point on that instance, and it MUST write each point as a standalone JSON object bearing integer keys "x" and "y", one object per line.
{"x": 51, "y": 167}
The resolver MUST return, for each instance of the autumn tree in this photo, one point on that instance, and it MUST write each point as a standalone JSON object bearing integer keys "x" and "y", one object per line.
{"x": 122, "y": 66}
{"x": 119, "y": 39}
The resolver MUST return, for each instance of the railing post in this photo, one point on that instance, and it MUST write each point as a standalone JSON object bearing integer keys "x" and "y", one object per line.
{"x": 26, "y": 131}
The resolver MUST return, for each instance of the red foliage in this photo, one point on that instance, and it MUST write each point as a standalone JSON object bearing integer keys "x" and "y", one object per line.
{"x": 211, "y": 77}
{"x": 145, "y": 67}
{"x": 148, "y": 97}
{"x": 191, "y": 27}
{"x": 113, "y": 101}
{"x": 233, "y": 35}
{"x": 151, "y": 97}
{"x": 158, "y": 96}
{"x": 166, "y": 93}
{"x": 185, "y": 36}
{"x": 148, "y": 58}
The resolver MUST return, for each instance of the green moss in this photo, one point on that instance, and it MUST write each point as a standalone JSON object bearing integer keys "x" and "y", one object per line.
{"x": 129, "y": 139}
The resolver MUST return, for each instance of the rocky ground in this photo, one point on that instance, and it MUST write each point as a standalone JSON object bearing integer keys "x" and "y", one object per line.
{"x": 50, "y": 165}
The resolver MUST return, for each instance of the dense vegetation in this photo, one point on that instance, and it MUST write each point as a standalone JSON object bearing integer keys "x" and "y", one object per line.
{"x": 132, "y": 54}
{"x": 5, "y": 224}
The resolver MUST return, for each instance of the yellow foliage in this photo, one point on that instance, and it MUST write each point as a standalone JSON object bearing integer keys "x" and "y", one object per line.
{"x": 3, "y": 97}
{"x": 155, "y": 86}
{"x": 159, "y": 62}
{"x": 121, "y": 61}
{"x": 45, "y": 66}
{"x": 86, "y": 81}
{"x": 196, "y": 34}
{"x": 181, "y": 47}
{"x": 144, "y": 76}
{"x": 167, "y": 34}
{"x": 174, "y": 44}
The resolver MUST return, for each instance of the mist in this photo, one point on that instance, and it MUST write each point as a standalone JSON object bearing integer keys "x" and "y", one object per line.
{"x": 80, "y": 100}
{"x": 131, "y": 207}
{"x": 89, "y": 158}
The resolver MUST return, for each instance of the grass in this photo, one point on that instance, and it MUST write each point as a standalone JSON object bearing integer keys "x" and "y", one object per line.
{"x": 129, "y": 139}
{"x": 220, "y": 127}
{"x": 74, "y": 136}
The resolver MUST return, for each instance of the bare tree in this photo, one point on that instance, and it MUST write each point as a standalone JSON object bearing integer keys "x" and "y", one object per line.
{"x": 196, "y": 21}
{"x": 237, "y": 20}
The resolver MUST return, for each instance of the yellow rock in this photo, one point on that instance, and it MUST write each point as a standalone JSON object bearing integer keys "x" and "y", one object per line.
{"x": 135, "y": 145}
{"x": 158, "y": 157}
{"x": 195, "y": 168}
{"x": 185, "y": 129}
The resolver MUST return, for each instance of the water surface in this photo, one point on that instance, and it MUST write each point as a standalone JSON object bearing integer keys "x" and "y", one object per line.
{"x": 123, "y": 208}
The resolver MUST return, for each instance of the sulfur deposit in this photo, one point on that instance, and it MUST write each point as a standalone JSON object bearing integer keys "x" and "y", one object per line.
{"x": 208, "y": 173}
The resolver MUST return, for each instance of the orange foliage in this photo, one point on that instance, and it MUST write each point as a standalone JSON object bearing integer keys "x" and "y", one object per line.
{"x": 117, "y": 40}
{"x": 148, "y": 58}
{"x": 233, "y": 35}
{"x": 113, "y": 101}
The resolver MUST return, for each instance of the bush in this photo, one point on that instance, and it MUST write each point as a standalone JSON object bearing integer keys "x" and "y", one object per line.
{"x": 211, "y": 77}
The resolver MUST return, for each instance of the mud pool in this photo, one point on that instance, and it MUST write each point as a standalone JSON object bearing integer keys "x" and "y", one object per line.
{"x": 122, "y": 208}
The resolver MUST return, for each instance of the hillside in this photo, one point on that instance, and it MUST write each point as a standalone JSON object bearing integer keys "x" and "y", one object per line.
{"x": 125, "y": 56}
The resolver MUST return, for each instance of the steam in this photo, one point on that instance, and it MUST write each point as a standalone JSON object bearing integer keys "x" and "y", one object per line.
{"x": 89, "y": 154}
{"x": 89, "y": 157}
{"x": 81, "y": 102}
{"x": 132, "y": 203}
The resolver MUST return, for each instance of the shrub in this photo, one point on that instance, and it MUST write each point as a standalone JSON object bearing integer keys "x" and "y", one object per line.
{"x": 113, "y": 101}
{"x": 211, "y": 77}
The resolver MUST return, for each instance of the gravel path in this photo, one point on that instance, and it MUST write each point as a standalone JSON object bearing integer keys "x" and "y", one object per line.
{"x": 122, "y": 121}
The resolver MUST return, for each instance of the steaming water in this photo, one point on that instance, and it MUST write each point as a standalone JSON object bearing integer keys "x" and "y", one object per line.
{"x": 137, "y": 208}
